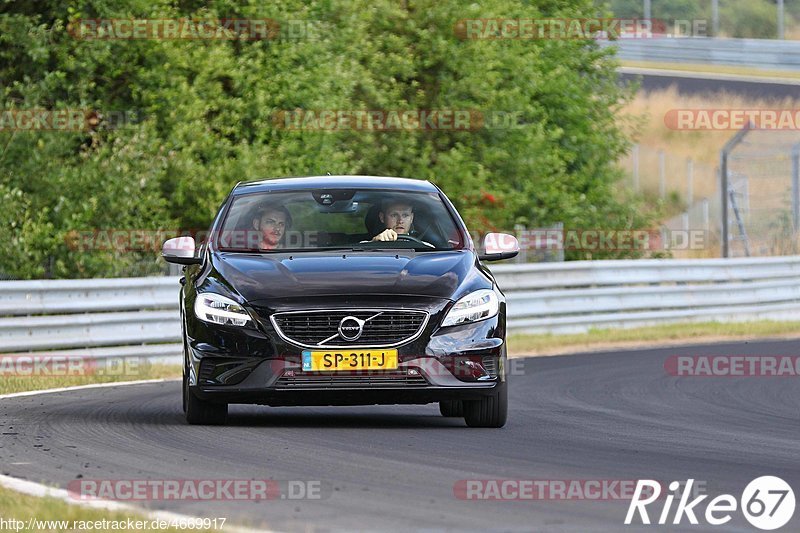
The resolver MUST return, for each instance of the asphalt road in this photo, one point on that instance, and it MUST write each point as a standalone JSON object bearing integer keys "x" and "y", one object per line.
{"x": 700, "y": 84}
{"x": 604, "y": 416}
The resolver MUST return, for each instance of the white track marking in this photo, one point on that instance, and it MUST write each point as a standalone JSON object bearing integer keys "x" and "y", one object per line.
{"x": 37, "y": 489}
{"x": 81, "y": 387}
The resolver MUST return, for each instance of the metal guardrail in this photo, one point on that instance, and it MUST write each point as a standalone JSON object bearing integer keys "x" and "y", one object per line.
{"x": 122, "y": 317}
{"x": 139, "y": 316}
{"x": 577, "y": 296}
{"x": 750, "y": 53}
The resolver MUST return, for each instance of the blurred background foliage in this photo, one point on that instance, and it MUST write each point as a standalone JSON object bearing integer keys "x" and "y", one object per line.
{"x": 180, "y": 122}
{"x": 756, "y": 19}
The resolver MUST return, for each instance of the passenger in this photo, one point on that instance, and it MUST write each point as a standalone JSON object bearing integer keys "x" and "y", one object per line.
{"x": 271, "y": 222}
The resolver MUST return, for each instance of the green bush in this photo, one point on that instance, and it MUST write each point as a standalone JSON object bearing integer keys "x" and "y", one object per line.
{"x": 755, "y": 19}
{"x": 199, "y": 118}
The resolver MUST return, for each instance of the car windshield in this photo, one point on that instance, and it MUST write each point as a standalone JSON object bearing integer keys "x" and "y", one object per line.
{"x": 338, "y": 219}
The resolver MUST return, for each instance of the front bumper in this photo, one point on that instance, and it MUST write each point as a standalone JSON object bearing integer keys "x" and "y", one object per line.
{"x": 237, "y": 365}
{"x": 282, "y": 382}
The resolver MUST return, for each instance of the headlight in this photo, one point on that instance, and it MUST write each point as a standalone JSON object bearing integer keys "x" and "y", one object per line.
{"x": 475, "y": 306}
{"x": 218, "y": 309}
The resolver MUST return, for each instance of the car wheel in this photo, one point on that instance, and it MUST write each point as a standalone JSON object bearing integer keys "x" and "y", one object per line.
{"x": 200, "y": 412}
{"x": 185, "y": 379}
{"x": 451, "y": 408}
{"x": 185, "y": 391}
{"x": 490, "y": 411}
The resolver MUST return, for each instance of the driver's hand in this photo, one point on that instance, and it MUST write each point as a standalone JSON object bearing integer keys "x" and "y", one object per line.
{"x": 386, "y": 235}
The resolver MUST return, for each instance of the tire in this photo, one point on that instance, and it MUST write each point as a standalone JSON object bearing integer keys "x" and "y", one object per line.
{"x": 490, "y": 411}
{"x": 185, "y": 380}
{"x": 200, "y": 412}
{"x": 185, "y": 392}
{"x": 452, "y": 408}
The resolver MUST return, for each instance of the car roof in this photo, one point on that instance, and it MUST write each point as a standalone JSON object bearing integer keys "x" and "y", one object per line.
{"x": 334, "y": 182}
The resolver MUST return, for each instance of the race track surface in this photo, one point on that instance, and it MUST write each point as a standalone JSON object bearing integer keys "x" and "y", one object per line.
{"x": 699, "y": 84}
{"x": 604, "y": 416}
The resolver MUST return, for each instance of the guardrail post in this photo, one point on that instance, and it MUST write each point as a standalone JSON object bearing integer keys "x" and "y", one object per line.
{"x": 796, "y": 186}
{"x": 715, "y": 18}
{"x": 723, "y": 168}
{"x": 519, "y": 230}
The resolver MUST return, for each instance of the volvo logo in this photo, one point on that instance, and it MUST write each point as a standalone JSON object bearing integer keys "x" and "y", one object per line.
{"x": 351, "y": 328}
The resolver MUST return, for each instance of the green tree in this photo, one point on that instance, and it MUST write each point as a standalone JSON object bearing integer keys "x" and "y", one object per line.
{"x": 178, "y": 122}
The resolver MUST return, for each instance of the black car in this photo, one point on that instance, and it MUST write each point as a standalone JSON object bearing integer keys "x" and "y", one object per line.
{"x": 342, "y": 290}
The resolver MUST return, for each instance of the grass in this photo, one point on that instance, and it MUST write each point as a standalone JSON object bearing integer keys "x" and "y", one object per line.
{"x": 22, "y": 507}
{"x": 549, "y": 344}
{"x": 643, "y": 120}
{"x": 764, "y": 158}
{"x": 11, "y": 384}
{"x": 713, "y": 69}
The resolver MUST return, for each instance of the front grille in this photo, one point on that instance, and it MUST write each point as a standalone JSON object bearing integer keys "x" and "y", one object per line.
{"x": 382, "y": 327}
{"x": 383, "y": 379}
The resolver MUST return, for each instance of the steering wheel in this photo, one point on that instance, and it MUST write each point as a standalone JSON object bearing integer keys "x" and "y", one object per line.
{"x": 406, "y": 237}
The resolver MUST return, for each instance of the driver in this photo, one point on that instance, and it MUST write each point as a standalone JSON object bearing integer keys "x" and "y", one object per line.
{"x": 397, "y": 216}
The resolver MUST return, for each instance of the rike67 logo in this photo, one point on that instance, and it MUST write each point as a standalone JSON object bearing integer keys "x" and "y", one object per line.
{"x": 767, "y": 503}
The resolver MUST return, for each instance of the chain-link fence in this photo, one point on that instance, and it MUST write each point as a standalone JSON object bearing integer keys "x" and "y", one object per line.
{"x": 682, "y": 184}
{"x": 657, "y": 173}
{"x": 762, "y": 194}
{"x": 760, "y": 19}
{"x": 763, "y": 198}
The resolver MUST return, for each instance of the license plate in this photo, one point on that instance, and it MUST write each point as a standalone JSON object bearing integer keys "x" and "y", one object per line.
{"x": 349, "y": 360}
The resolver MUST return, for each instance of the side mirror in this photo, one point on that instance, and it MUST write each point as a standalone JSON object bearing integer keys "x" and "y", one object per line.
{"x": 180, "y": 251}
{"x": 499, "y": 246}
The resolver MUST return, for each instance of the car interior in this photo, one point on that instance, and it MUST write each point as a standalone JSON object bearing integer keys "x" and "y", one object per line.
{"x": 356, "y": 229}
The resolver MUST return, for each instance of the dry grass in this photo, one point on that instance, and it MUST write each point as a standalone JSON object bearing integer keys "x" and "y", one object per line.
{"x": 11, "y": 384}
{"x": 606, "y": 339}
{"x": 644, "y": 121}
{"x": 21, "y": 507}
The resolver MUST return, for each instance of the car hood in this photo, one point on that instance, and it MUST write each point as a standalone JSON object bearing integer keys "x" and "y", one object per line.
{"x": 259, "y": 277}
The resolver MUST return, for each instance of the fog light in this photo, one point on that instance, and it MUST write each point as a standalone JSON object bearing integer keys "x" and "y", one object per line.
{"x": 467, "y": 368}
{"x": 413, "y": 372}
{"x": 289, "y": 373}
